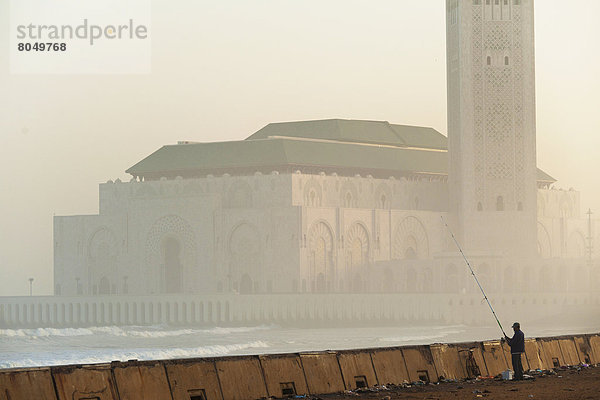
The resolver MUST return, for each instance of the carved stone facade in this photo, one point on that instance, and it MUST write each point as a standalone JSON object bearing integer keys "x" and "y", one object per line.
{"x": 222, "y": 235}
{"x": 491, "y": 122}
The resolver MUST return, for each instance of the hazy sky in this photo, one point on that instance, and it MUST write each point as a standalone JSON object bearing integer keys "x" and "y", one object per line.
{"x": 222, "y": 69}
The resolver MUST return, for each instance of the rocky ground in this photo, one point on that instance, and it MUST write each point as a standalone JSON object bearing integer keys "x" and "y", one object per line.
{"x": 561, "y": 384}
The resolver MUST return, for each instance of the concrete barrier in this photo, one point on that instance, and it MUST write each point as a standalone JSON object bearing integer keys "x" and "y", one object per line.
{"x": 508, "y": 358}
{"x": 448, "y": 362}
{"x": 584, "y": 351}
{"x": 141, "y": 380}
{"x": 241, "y": 378}
{"x": 419, "y": 364}
{"x": 284, "y": 375}
{"x": 569, "y": 351}
{"x": 495, "y": 361}
{"x": 594, "y": 341}
{"x": 357, "y": 369}
{"x": 30, "y": 383}
{"x": 532, "y": 352}
{"x": 253, "y": 377}
{"x": 550, "y": 352}
{"x": 389, "y": 366}
{"x": 88, "y": 381}
{"x": 193, "y": 379}
{"x": 322, "y": 371}
{"x": 471, "y": 357}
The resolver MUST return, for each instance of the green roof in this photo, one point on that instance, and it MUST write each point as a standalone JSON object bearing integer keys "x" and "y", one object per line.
{"x": 288, "y": 151}
{"x": 357, "y": 131}
{"x": 379, "y": 148}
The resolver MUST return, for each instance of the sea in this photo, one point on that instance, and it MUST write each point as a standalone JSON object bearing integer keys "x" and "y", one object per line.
{"x": 49, "y": 346}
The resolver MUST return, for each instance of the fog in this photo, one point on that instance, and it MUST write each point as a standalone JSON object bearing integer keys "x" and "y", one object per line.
{"x": 223, "y": 70}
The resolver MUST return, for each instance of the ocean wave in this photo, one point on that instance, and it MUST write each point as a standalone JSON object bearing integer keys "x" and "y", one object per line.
{"x": 45, "y": 332}
{"x": 94, "y": 357}
{"x": 158, "y": 331}
{"x": 403, "y": 339}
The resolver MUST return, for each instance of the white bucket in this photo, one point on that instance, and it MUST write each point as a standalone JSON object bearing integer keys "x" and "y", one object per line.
{"x": 507, "y": 375}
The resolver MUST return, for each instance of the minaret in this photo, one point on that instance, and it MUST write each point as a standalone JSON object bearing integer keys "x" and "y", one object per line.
{"x": 491, "y": 124}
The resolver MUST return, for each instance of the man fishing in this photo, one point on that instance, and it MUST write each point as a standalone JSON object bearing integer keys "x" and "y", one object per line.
{"x": 517, "y": 347}
{"x": 517, "y": 342}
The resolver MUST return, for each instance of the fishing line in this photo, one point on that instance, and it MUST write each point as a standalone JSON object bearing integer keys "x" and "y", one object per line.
{"x": 473, "y": 273}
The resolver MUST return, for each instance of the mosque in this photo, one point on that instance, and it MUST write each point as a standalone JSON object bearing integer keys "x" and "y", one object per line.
{"x": 352, "y": 206}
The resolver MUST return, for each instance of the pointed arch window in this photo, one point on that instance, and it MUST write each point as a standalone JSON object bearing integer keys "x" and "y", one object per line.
{"x": 348, "y": 200}
{"x": 383, "y": 201}
{"x": 479, "y": 207}
{"x": 489, "y": 60}
{"x": 500, "y": 203}
{"x": 506, "y": 60}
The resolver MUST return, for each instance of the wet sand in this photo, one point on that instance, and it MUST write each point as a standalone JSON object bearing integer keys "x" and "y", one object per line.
{"x": 568, "y": 384}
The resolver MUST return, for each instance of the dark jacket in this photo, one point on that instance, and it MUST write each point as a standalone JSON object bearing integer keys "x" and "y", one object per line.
{"x": 517, "y": 342}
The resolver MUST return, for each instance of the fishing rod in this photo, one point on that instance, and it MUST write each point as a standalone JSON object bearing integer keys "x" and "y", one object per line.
{"x": 473, "y": 273}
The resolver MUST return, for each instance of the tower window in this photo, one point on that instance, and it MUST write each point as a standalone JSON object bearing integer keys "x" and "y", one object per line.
{"x": 517, "y": 2}
{"x": 476, "y": 2}
{"x": 506, "y": 60}
{"x": 520, "y": 206}
{"x": 497, "y": 2}
{"x": 500, "y": 203}
{"x": 489, "y": 60}
{"x": 479, "y": 207}
{"x": 487, "y": 2}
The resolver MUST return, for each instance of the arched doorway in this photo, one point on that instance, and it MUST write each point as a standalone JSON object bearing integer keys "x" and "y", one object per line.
{"x": 320, "y": 246}
{"x": 245, "y": 259}
{"x": 172, "y": 263}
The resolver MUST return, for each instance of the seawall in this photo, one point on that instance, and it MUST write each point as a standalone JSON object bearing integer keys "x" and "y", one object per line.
{"x": 281, "y": 375}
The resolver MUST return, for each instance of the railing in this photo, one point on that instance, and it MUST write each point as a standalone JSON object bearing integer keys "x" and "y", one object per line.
{"x": 232, "y": 309}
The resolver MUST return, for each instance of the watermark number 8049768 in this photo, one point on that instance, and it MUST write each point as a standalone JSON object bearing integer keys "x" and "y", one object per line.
{"x": 41, "y": 46}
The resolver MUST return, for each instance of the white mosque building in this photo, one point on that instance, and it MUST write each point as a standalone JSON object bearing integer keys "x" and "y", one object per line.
{"x": 352, "y": 206}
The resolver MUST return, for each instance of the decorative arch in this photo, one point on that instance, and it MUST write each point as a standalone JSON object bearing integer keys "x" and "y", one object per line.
{"x": 320, "y": 253}
{"x": 383, "y": 197}
{"x": 348, "y": 195}
{"x": 357, "y": 246}
{"x": 239, "y": 195}
{"x": 102, "y": 252}
{"x": 244, "y": 247}
{"x": 410, "y": 240}
{"x": 500, "y": 203}
{"x": 576, "y": 245}
{"x": 313, "y": 193}
{"x": 544, "y": 242}
{"x": 170, "y": 254}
